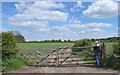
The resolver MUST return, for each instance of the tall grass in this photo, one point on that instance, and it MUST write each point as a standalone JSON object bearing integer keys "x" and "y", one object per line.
{"x": 109, "y": 48}
{"x": 0, "y": 65}
{"x": 111, "y": 61}
{"x": 13, "y": 63}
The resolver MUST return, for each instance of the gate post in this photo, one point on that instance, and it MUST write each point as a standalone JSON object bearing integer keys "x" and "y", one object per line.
{"x": 57, "y": 57}
{"x": 103, "y": 50}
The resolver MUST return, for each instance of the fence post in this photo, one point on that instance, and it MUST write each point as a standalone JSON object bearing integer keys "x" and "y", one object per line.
{"x": 103, "y": 50}
{"x": 57, "y": 57}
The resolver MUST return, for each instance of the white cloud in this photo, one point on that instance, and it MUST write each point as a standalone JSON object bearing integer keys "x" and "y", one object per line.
{"x": 47, "y": 5}
{"x": 37, "y": 14}
{"x": 97, "y": 30}
{"x": 60, "y": 29}
{"x": 77, "y": 28}
{"x": 89, "y": 26}
{"x": 72, "y": 9}
{"x": 77, "y": 7}
{"x": 75, "y": 21}
{"x": 79, "y": 4}
{"x": 31, "y": 24}
{"x": 101, "y": 9}
{"x": 88, "y": 29}
{"x": 55, "y": 30}
{"x": 21, "y": 6}
{"x": 113, "y": 35}
{"x": 72, "y": 31}
{"x": 98, "y": 25}
{"x": 38, "y": 4}
{"x": 82, "y": 32}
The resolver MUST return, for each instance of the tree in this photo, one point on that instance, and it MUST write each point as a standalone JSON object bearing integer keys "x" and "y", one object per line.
{"x": 8, "y": 44}
{"x": 59, "y": 40}
{"x": 69, "y": 40}
{"x": 65, "y": 40}
{"x": 92, "y": 39}
{"x": 53, "y": 40}
{"x": 81, "y": 43}
{"x": 20, "y": 38}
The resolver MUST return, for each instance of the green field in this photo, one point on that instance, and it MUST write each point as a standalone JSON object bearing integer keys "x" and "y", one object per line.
{"x": 25, "y": 48}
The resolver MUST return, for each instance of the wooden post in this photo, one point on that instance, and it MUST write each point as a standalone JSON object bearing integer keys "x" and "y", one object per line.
{"x": 57, "y": 57}
{"x": 103, "y": 51}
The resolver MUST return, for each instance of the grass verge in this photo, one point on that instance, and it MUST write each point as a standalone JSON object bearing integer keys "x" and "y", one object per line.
{"x": 13, "y": 63}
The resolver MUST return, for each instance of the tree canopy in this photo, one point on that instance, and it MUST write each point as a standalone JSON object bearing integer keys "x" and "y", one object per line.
{"x": 8, "y": 44}
{"x": 83, "y": 42}
{"x": 20, "y": 38}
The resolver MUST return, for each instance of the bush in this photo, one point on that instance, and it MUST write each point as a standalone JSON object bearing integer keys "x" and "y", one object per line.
{"x": 114, "y": 62}
{"x": 8, "y": 45}
{"x": 13, "y": 63}
{"x": 10, "y": 58}
{"x": 116, "y": 47}
{"x": 82, "y": 43}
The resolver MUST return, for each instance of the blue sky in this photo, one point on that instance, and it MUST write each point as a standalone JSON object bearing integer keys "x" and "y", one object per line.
{"x": 61, "y": 20}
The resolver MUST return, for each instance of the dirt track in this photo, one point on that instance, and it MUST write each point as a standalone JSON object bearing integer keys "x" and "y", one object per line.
{"x": 63, "y": 70}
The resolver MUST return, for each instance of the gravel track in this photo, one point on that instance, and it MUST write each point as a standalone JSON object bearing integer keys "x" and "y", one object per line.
{"x": 63, "y": 70}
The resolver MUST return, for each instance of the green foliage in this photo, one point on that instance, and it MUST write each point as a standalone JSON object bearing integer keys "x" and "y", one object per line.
{"x": 52, "y": 41}
{"x": 82, "y": 43}
{"x": 10, "y": 60}
{"x": 116, "y": 47}
{"x": 111, "y": 62}
{"x": 1, "y": 65}
{"x": 8, "y": 45}
{"x": 13, "y": 63}
{"x": 20, "y": 38}
{"x": 109, "y": 48}
{"x": 109, "y": 39}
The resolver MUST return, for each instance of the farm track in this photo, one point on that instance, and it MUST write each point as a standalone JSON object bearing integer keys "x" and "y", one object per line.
{"x": 79, "y": 69}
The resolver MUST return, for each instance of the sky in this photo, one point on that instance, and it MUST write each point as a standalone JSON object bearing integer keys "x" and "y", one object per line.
{"x": 46, "y": 20}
